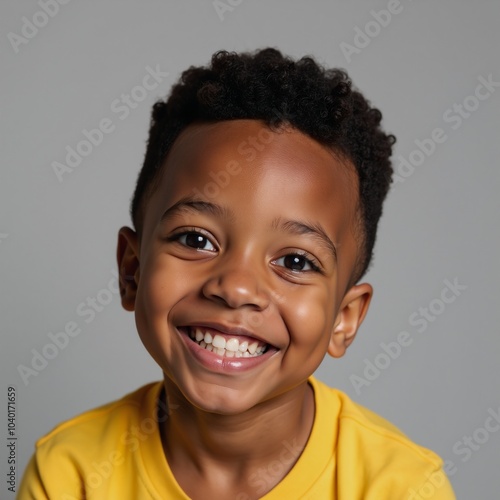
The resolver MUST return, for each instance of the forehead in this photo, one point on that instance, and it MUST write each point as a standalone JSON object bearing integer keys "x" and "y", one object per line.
{"x": 247, "y": 166}
{"x": 249, "y": 149}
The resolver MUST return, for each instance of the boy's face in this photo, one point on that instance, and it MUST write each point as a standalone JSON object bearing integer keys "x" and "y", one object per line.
{"x": 248, "y": 236}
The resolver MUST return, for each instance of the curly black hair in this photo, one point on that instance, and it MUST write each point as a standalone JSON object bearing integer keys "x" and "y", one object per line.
{"x": 267, "y": 86}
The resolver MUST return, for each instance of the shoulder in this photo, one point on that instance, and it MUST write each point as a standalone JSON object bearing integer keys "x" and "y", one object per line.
{"x": 100, "y": 428}
{"x": 370, "y": 447}
{"x": 105, "y": 435}
{"x": 81, "y": 454}
{"x": 358, "y": 422}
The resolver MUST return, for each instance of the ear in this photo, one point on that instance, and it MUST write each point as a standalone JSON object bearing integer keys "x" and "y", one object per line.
{"x": 351, "y": 314}
{"x": 127, "y": 256}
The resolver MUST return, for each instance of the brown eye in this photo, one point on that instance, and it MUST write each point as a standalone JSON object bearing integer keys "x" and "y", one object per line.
{"x": 297, "y": 262}
{"x": 196, "y": 240}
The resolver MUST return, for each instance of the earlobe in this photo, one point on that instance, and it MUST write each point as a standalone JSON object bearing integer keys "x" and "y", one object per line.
{"x": 127, "y": 256}
{"x": 351, "y": 314}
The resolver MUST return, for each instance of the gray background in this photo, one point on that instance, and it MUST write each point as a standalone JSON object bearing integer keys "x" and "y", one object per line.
{"x": 57, "y": 239}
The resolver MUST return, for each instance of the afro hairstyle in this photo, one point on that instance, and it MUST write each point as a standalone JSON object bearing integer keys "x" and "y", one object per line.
{"x": 266, "y": 85}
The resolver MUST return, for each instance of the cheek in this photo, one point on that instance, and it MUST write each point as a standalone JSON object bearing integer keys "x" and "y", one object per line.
{"x": 161, "y": 286}
{"x": 312, "y": 319}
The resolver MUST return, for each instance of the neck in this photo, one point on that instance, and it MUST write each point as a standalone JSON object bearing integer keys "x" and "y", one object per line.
{"x": 237, "y": 445}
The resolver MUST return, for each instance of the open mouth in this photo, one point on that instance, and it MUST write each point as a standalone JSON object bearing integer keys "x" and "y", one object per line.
{"x": 225, "y": 345}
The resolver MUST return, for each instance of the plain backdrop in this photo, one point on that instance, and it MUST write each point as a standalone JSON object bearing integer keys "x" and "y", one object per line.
{"x": 66, "y": 73}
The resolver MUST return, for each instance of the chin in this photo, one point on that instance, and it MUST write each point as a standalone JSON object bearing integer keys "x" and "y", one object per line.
{"x": 220, "y": 400}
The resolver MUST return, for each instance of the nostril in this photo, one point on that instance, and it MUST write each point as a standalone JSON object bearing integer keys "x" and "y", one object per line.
{"x": 236, "y": 289}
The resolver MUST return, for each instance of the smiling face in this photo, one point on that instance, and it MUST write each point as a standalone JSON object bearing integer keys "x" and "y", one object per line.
{"x": 242, "y": 271}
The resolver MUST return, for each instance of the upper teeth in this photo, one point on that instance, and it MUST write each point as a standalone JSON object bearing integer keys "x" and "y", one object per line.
{"x": 231, "y": 347}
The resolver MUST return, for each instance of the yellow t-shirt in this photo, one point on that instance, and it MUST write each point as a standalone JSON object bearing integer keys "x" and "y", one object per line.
{"x": 115, "y": 452}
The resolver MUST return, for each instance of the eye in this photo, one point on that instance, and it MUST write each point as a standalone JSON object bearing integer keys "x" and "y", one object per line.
{"x": 297, "y": 262}
{"x": 196, "y": 240}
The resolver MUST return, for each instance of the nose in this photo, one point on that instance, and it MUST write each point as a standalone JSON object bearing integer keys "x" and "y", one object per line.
{"x": 235, "y": 287}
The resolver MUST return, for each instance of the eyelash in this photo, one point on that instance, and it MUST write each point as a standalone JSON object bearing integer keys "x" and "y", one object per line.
{"x": 312, "y": 262}
{"x": 177, "y": 236}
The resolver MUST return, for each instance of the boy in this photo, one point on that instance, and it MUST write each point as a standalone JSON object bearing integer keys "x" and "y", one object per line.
{"x": 255, "y": 216}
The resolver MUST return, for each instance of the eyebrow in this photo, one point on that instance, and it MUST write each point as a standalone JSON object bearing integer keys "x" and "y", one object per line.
{"x": 192, "y": 205}
{"x": 316, "y": 230}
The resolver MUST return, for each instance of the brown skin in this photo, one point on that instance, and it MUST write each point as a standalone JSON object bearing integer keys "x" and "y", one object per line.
{"x": 226, "y": 425}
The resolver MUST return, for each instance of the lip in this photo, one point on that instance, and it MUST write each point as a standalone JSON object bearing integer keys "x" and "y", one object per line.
{"x": 222, "y": 364}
